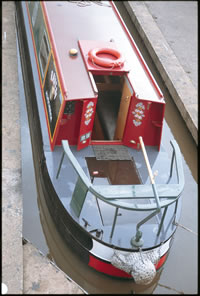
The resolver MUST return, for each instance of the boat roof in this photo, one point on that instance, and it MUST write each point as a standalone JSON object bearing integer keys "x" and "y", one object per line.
{"x": 71, "y": 21}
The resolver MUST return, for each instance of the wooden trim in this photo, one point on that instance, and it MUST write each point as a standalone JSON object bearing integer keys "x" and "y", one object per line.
{"x": 123, "y": 111}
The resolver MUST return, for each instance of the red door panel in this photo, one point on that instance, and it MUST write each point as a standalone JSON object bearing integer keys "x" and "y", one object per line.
{"x": 152, "y": 135}
{"x": 86, "y": 125}
{"x": 145, "y": 119}
{"x": 136, "y": 121}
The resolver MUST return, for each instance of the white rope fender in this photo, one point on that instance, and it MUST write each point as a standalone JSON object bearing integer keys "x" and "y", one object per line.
{"x": 139, "y": 264}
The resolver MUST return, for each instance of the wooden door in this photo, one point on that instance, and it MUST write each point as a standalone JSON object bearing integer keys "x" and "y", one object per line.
{"x": 123, "y": 110}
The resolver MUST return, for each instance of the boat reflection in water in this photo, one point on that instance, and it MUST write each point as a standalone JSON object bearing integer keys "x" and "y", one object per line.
{"x": 96, "y": 119}
{"x": 88, "y": 279}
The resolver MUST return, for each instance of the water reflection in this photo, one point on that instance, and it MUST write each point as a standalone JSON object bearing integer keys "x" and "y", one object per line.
{"x": 90, "y": 280}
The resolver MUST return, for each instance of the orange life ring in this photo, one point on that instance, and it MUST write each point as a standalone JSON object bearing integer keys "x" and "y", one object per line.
{"x": 104, "y": 62}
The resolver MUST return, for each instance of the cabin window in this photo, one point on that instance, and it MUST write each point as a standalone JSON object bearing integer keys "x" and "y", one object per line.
{"x": 112, "y": 107}
{"x": 44, "y": 53}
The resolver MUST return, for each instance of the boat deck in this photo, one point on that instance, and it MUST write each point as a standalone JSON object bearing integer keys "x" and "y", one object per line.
{"x": 102, "y": 218}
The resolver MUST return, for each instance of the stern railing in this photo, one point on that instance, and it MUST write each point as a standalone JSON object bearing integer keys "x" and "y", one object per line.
{"x": 115, "y": 195}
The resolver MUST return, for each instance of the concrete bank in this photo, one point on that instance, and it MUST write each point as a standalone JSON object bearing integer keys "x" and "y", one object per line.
{"x": 12, "y": 209}
{"x": 42, "y": 276}
{"x": 176, "y": 79}
{"x": 24, "y": 269}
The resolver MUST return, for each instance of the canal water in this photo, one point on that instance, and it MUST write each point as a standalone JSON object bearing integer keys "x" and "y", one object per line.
{"x": 180, "y": 271}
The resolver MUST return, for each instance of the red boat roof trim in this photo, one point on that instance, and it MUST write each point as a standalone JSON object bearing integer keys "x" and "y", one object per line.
{"x": 70, "y": 23}
{"x": 87, "y": 45}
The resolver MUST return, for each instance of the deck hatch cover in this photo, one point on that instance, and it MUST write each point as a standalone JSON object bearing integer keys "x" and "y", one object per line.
{"x": 111, "y": 152}
{"x": 87, "y": 45}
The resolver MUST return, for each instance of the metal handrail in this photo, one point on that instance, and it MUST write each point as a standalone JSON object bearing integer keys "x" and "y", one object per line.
{"x": 114, "y": 194}
{"x": 150, "y": 174}
{"x": 133, "y": 191}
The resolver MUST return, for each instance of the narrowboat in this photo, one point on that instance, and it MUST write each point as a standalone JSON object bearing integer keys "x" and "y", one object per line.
{"x": 96, "y": 117}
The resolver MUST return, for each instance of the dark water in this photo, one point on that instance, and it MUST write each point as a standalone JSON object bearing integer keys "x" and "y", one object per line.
{"x": 180, "y": 271}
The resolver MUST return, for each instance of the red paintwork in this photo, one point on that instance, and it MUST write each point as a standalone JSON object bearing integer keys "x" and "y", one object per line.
{"x": 87, "y": 120}
{"x": 151, "y": 133}
{"x": 114, "y": 59}
{"x": 161, "y": 261}
{"x": 71, "y": 124}
{"x": 109, "y": 269}
{"x": 154, "y": 123}
{"x": 87, "y": 45}
{"x": 133, "y": 132}
{"x": 52, "y": 139}
{"x": 71, "y": 71}
{"x": 136, "y": 50}
{"x": 40, "y": 80}
{"x": 57, "y": 134}
{"x": 102, "y": 142}
{"x": 55, "y": 53}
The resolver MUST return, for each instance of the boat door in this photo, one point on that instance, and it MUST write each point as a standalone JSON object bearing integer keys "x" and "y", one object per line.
{"x": 86, "y": 124}
{"x": 136, "y": 121}
{"x": 127, "y": 93}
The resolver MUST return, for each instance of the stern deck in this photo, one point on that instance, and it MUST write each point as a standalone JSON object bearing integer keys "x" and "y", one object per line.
{"x": 99, "y": 215}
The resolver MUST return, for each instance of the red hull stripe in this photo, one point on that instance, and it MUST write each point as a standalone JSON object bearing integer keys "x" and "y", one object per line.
{"x": 161, "y": 261}
{"x": 109, "y": 269}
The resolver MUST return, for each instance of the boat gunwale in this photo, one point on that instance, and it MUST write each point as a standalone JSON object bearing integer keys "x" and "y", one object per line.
{"x": 135, "y": 48}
